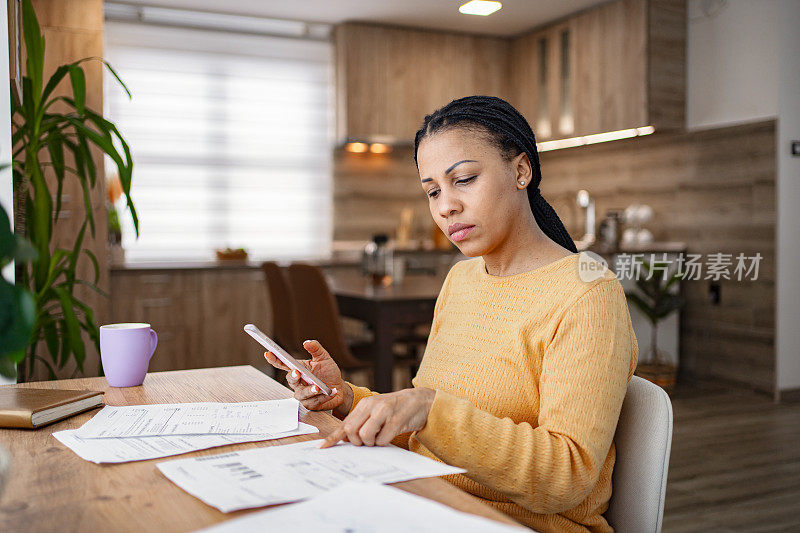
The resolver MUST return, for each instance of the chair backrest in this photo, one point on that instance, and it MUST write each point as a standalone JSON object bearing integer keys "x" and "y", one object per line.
{"x": 318, "y": 313}
{"x": 643, "y": 441}
{"x": 284, "y": 315}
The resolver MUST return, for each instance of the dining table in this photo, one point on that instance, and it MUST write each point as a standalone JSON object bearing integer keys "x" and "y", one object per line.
{"x": 49, "y": 488}
{"x": 386, "y": 309}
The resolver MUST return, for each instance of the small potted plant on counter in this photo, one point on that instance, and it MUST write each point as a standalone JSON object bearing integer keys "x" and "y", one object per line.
{"x": 656, "y": 299}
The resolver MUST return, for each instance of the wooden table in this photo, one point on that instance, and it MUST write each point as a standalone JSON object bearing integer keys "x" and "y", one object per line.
{"x": 384, "y": 308}
{"x": 52, "y": 489}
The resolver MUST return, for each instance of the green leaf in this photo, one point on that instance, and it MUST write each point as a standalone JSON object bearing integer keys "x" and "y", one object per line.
{"x": 94, "y": 287}
{"x": 95, "y": 264}
{"x": 72, "y": 327}
{"x": 76, "y": 252}
{"x": 24, "y": 251}
{"x": 89, "y": 324}
{"x": 675, "y": 278}
{"x": 56, "y": 268}
{"x": 17, "y": 318}
{"x": 114, "y": 73}
{"x": 88, "y": 160}
{"x": 55, "y": 147}
{"x": 78, "y": 80}
{"x": 125, "y": 169}
{"x": 8, "y": 368}
{"x": 34, "y": 47}
{"x": 51, "y": 338}
{"x": 53, "y": 82}
{"x": 28, "y": 110}
{"x": 40, "y": 218}
{"x": 643, "y": 306}
{"x": 8, "y": 242}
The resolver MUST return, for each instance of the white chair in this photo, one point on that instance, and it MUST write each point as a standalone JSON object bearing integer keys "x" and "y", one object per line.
{"x": 643, "y": 440}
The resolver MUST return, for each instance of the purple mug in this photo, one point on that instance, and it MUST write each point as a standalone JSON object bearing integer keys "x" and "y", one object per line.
{"x": 126, "y": 350}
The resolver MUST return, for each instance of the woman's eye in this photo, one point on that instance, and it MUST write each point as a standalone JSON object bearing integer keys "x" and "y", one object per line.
{"x": 466, "y": 180}
{"x": 433, "y": 193}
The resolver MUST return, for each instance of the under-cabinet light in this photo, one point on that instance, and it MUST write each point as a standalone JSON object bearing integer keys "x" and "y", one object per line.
{"x": 358, "y": 148}
{"x": 571, "y": 142}
{"x": 480, "y": 7}
{"x": 380, "y": 148}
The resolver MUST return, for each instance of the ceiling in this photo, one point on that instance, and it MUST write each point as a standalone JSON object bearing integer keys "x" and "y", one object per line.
{"x": 514, "y": 18}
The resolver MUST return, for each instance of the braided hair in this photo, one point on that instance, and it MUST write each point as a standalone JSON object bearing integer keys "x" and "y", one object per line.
{"x": 510, "y": 132}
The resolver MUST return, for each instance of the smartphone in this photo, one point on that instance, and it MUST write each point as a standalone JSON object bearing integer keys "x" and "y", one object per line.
{"x": 286, "y": 359}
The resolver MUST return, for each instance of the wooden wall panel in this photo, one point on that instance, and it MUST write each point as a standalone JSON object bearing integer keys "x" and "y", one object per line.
{"x": 370, "y": 190}
{"x": 714, "y": 190}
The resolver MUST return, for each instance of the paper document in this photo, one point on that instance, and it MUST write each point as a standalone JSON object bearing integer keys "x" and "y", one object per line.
{"x": 122, "y": 450}
{"x": 279, "y": 474}
{"x": 359, "y": 507}
{"x": 250, "y": 418}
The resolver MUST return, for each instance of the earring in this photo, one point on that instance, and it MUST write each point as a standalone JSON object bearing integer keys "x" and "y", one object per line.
{"x": 522, "y": 183}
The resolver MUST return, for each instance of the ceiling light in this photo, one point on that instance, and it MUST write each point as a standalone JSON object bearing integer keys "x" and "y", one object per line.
{"x": 480, "y": 7}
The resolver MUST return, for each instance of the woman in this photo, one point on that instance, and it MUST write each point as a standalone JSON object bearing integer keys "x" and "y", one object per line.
{"x": 527, "y": 365}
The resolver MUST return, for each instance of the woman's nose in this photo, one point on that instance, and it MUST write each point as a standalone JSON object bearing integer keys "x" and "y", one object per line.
{"x": 448, "y": 204}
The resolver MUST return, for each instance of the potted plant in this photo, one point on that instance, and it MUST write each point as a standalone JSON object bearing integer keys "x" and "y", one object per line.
{"x": 656, "y": 299}
{"x": 58, "y": 133}
{"x": 18, "y": 309}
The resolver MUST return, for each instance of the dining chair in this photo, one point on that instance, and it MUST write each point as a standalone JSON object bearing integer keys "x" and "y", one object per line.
{"x": 643, "y": 441}
{"x": 318, "y": 316}
{"x": 284, "y": 315}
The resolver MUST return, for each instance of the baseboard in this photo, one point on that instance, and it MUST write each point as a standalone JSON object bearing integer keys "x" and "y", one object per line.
{"x": 788, "y": 396}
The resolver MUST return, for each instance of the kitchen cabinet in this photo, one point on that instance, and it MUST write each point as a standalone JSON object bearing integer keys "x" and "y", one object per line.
{"x": 198, "y": 314}
{"x": 540, "y": 90}
{"x": 388, "y": 79}
{"x": 617, "y": 66}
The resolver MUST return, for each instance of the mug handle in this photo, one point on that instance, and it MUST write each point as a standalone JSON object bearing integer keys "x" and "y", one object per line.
{"x": 153, "y": 342}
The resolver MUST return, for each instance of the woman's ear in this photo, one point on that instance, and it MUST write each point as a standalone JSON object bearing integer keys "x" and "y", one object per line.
{"x": 521, "y": 166}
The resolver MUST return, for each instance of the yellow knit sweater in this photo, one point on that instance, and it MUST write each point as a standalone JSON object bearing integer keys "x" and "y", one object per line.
{"x": 530, "y": 371}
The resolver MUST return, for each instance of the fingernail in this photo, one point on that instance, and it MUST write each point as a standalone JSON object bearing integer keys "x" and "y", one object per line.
{"x": 333, "y": 391}
{"x": 316, "y": 389}
{"x": 295, "y": 374}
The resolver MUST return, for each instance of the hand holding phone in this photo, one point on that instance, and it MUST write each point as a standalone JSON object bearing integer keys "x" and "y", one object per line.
{"x": 292, "y": 363}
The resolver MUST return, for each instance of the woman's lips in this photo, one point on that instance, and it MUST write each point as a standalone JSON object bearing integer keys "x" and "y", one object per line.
{"x": 461, "y": 234}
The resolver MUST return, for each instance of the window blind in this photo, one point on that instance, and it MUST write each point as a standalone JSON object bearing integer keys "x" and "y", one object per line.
{"x": 231, "y": 137}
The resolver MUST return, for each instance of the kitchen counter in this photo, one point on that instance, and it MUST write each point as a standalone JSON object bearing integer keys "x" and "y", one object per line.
{"x": 652, "y": 247}
{"x": 345, "y": 255}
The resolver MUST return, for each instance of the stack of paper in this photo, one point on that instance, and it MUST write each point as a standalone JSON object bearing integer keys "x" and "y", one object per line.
{"x": 280, "y": 474}
{"x": 360, "y": 507}
{"x": 135, "y": 433}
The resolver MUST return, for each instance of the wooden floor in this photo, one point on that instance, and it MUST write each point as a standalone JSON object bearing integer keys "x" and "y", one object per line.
{"x": 735, "y": 463}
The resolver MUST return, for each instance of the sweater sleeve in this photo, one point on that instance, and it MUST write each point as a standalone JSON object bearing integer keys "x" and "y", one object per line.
{"x": 359, "y": 393}
{"x": 549, "y": 465}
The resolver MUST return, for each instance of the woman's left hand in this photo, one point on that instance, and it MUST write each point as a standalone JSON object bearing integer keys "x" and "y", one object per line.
{"x": 376, "y": 420}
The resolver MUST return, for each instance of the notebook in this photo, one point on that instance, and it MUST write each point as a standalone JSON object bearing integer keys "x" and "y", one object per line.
{"x": 33, "y": 408}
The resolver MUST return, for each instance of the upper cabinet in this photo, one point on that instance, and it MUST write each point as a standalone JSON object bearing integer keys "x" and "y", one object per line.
{"x": 617, "y": 66}
{"x": 620, "y": 65}
{"x": 388, "y": 79}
